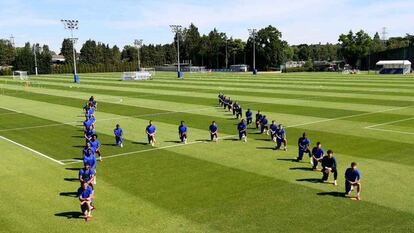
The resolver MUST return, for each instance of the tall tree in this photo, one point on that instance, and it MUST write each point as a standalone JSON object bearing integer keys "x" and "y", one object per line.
{"x": 89, "y": 53}
{"x": 66, "y": 51}
{"x": 354, "y": 46}
{"x": 24, "y": 59}
{"x": 7, "y": 53}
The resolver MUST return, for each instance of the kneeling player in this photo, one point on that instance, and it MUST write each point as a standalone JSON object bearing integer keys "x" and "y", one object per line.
{"x": 182, "y": 132}
{"x": 281, "y": 138}
{"x": 87, "y": 175}
{"x": 85, "y": 194}
{"x": 95, "y": 146}
{"x": 317, "y": 155}
{"x": 303, "y": 144}
{"x": 328, "y": 167}
{"x": 213, "y": 131}
{"x": 263, "y": 125}
{"x": 273, "y": 131}
{"x": 353, "y": 179}
{"x": 242, "y": 127}
{"x": 259, "y": 117}
{"x": 151, "y": 130}
{"x": 118, "y": 132}
{"x": 249, "y": 117}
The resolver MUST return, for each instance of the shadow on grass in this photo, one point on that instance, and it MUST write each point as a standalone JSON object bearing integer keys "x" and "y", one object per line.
{"x": 263, "y": 139}
{"x": 333, "y": 194}
{"x": 79, "y": 146}
{"x": 71, "y": 179}
{"x": 203, "y": 140}
{"x": 231, "y": 139}
{"x": 310, "y": 180}
{"x": 69, "y": 214}
{"x": 265, "y": 148}
{"x": 173, "y": 141}
{"x": 287, "y": 160}
{"x": 140, "y": 143}
{"x": 68, "y": 194}
{"x": 301, "y": 168}
{"x": 73, "y": 168}
{"x": 108, "y": 144}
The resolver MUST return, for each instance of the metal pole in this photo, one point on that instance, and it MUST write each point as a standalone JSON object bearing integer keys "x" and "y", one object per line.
{"x": 252, "y": 33}
{"x": 35, "y": 57}
{"x": 177, "y": 30}
{"x": 138, "y": 44}
{"x": 227, "y": 60}
{"x": 178, "y": 53}
{"x": 74, "y": 53}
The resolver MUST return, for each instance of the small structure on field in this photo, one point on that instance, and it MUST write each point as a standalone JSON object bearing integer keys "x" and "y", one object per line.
{"x": 394, "y": 66}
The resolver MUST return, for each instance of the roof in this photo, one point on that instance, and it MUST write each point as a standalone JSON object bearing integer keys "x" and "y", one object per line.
{"x": 394, "y": 62}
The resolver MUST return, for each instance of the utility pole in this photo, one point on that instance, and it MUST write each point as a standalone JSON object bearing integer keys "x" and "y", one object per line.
{"x": 227, "y": 58}
{"x": 253, "y": 34}
{"x": 138, "y": 45}
{"x": 176, "y": 29}
{"x": 35, "y": 57}
{"x": 72, "y": 25}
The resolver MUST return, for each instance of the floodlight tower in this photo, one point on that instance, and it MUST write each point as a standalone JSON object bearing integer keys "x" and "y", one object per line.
{"x": 227, "y": 58}
{"x": 35, "y": 49}
{"x": 138, "y": 45}
{"x": 177, "y": 30}
{"x": 253, "y": 34}
{"x": 72, "y": 25}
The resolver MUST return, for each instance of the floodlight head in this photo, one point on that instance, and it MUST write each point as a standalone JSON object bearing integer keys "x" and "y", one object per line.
{"x": 138, "y": 43}
{"x": 176, "y": 28}
{"x": 70, "y": 24}
{"x": 252, "y": 32}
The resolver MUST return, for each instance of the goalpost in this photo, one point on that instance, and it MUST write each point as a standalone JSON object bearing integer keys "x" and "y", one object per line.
{"x": 144, "y": 74}
{"x": 21, "y": 75}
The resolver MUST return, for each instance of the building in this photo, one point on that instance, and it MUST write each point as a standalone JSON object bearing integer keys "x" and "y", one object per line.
{"x": 394, "y": 66}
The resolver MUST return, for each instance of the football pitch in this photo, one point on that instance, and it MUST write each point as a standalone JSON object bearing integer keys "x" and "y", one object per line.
{"x": 229, "y": 186}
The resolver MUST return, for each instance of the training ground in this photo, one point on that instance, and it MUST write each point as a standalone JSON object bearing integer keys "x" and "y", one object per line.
{"x": 227, "y": 186}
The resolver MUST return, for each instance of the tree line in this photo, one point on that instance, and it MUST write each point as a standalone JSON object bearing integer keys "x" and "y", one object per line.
{"x": 207, "y": 50}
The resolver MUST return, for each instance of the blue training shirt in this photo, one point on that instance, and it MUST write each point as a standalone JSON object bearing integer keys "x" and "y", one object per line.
{"x": 352, "y": 175}
{"x": 249, "y": 114}
{"x": 273, "y": 127}
{"x": 213, "y": 128}
{"x": 88, "y": 192}
{"x": 241, "y": 127}
{"x": 86, "y": 174}
{"x": 151, "y": 129}
{"x": 118, "y": 132}
{"x": 182, "y": 129}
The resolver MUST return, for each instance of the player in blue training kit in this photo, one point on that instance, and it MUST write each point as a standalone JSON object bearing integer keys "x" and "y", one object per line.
{"x": 303, "y": 145}
{"x": 85, "y": 195}
{"x": 353, "y": 179}
{"x": 329, "y": 166}
{"x": 87, "y": 175}
{"x": 151, "y": 130}
{"x": 95, "y": 146}
{"x": 90, "y": 159}
{"x": 249, "y": 117}
{"x": 259, "y": 117}
{"x": 242, "y": 128}
{"x": 273, "y": 130}
{"x": 213, "y": 131}
{"x": 281, "y": 138}
{"x": 264, "y": 125}
{"x": 182, "y": 132}
{"x": 119, "y": 133}
{"x": 317, "y": 155}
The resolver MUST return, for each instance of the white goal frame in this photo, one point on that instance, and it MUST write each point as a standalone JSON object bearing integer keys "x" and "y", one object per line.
{"x": 144, "y": 74}
{"x": 21, "y": 75}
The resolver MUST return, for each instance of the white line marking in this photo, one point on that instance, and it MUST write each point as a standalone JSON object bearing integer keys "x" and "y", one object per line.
{"x": 346, "y": 117}
{"x": 392, "y": 131}
{"x": 9, "y": 113}
{"x": 30, "y": 149}
{"x": 11, "y": 109}
{"x": 388, "y": 123}
{"x": 146, "y": 150}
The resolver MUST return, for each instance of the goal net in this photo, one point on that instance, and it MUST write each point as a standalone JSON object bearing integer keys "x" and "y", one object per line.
{"x": 144, "y": 74}
{"x": 21, "y": 75}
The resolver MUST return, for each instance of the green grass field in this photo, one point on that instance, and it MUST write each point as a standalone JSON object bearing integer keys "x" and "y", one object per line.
{"x": 228, "y": 186}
